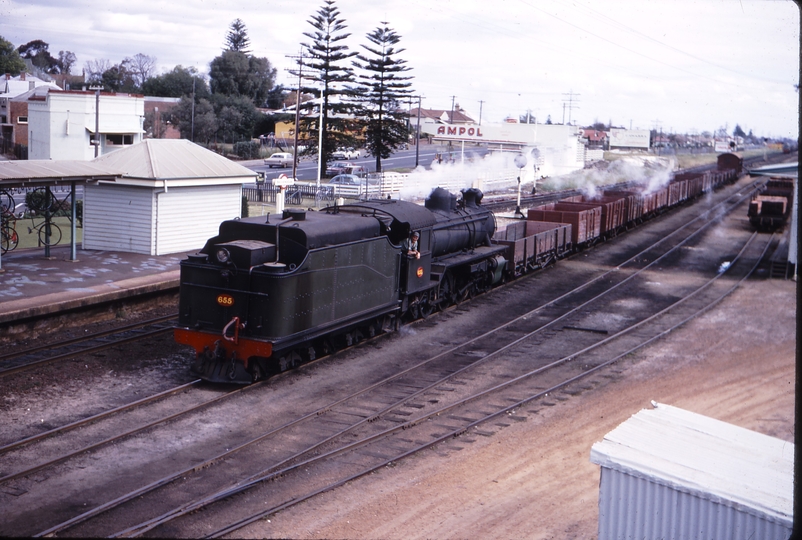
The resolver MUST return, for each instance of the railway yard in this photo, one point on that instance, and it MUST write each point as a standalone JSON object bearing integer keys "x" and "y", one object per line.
{"x": 476, "y": 421}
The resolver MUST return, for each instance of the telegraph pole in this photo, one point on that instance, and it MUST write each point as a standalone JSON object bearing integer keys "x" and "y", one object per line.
{"x": 417, "y": 135}
{"x": 571, "y": 105}
{"x": 480, "y": 111}
{"x": 300, "y": 59}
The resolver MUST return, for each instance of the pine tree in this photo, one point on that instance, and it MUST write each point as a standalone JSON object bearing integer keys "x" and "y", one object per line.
{"x": 323, "y": 64}
{"x": 384, "y": 87}
{"x": 237, "y": 38}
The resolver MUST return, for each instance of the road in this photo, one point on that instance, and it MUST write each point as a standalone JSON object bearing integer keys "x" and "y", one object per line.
{"x": 403, "y": 159}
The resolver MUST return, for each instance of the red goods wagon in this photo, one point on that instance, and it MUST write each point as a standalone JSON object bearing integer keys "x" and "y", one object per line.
{"x": 534, "y": 244}
{"x": 633, "y": 204}
{"x": 695, "y": 183}
{"x": 551, "y": 240}
{"x": 613, "y": 215}
{"x": 655, "y": 201}
{"x": 515, "y": 240}
{"x": 677, "y": 192}
{"x": 585, "y": 220}
{"x": 730, "y": 161}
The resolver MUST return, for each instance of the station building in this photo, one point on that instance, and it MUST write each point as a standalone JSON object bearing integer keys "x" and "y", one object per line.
{"x": 61, "y": 124}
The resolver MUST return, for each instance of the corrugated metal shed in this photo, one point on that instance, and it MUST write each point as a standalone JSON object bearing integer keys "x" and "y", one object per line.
{"x": 171, "y": 197}
{"x": 669, "y": 473}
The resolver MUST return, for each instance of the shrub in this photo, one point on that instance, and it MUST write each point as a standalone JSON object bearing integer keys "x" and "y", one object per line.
{"x": 247, "y": 149}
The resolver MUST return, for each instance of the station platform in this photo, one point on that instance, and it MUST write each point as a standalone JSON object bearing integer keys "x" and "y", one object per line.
{"x": 32, "y": 285}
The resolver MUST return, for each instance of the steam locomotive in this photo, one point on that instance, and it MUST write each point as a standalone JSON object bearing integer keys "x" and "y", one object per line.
{"x": 267, "y": 294}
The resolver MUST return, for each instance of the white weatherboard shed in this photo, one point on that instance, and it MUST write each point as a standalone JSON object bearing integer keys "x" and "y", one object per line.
{"x": 667, "y": 473}
{"x": 172, "y": 198}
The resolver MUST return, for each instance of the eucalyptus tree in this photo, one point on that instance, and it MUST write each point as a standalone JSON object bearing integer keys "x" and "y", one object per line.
{"x": 10, "y": 60}
{"x": 383, "y": 88}
{"x": 324, "y": 64}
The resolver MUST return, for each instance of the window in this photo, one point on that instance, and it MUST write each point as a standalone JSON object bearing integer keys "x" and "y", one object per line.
{"x": 22, "y": 119}
{"x": 119, "y": 139}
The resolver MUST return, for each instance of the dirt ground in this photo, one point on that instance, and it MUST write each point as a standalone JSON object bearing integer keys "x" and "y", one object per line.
{"x": 534, "y": 479}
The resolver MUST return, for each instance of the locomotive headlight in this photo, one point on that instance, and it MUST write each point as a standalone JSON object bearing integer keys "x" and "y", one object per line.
{"x": 222, "y": 255}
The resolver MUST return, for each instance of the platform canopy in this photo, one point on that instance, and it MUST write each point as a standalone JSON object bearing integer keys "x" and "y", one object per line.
{"x": 45, "y": 173}
{"x": 41, "y": 172}
{"x": 782, "y": 170}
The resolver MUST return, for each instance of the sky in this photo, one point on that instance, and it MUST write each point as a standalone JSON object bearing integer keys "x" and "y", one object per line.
{"x": 683, "y": 66}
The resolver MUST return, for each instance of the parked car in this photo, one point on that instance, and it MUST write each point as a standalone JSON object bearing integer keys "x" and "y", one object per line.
{"x": 348, "y": 185}
{"x": 338, "y": 167}
{"x": 279, "y": 159}
{"x": 345, "y": 153}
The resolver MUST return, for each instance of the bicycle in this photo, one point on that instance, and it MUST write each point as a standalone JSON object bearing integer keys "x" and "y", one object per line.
{"x": 9, "y": 239}
{"x": 41, "y": 200}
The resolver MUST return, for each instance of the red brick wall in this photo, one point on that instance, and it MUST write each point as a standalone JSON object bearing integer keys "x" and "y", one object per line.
{"x": 15, "y": 110}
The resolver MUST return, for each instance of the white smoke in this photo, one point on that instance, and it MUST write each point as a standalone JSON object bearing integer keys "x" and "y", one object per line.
{"x": 494, "y": 171}
{"x": 498, "y": 173}
{"x": 651, "y": 174}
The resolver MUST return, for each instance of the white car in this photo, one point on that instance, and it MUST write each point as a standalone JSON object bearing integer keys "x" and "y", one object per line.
{"x": 347, "y": 153}
{"x": 279, "y": 159}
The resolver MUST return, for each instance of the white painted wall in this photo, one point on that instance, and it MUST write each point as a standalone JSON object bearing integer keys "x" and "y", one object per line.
{"x": 118, "y": 218}
{"x": 59, "y": 126}
{"x": 187, "y": 217}
{"x": 154, "y": 222}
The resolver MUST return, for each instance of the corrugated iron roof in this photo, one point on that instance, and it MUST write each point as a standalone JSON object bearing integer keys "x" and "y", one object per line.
{"x": 708, "y": 458}
{"x": 785, "y": 170}
{"x": 162, "y": 159}
{"x": 50, "y": 170}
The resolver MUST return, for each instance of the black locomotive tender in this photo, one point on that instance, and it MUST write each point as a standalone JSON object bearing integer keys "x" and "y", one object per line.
{"x": 266, "y": 295}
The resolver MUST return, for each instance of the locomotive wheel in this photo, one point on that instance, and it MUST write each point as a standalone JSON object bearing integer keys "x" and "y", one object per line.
{"x": 446, "y": 294}
{"x": 426, "y": 303}
{"x": 256, "y": 372}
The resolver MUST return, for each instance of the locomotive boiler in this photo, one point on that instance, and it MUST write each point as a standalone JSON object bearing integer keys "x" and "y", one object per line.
{"x": 267, "y": 294}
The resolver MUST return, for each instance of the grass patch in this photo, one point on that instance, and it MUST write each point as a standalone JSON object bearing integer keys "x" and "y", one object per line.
{"x": 28, "y": 232}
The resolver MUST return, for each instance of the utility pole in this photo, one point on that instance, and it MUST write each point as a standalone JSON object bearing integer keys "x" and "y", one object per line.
{"x": 417, "y": 135}
{"x": 299, "y": 58}
{"x": 571, "y": 105}
{"x": 480, "y": 111}
{"x": 656, "y": 124}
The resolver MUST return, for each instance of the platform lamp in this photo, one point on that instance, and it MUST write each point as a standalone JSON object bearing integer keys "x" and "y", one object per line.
{"x": 520, "y": 162}
{"x": 96, "y": 142}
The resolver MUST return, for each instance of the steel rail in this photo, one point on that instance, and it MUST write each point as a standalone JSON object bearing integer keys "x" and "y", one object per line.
{"x": 92, "y": 349}
{"x": 263, "y": 513}
{"x": 150, "y": 524}
{"x": 66, "y": 342}
{"x": 117, "y": 437}
{"x": 93, "y": 418}
{"x": 159, "y": 483}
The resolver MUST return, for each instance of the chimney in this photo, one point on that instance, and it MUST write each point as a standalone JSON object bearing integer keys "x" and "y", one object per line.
{"x": 8, "y": 76}
{"x": 31, "y": 85}
{"x": 22, "y": 76}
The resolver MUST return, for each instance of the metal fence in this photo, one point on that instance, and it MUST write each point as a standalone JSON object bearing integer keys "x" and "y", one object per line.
{"x": 20, "y": 151}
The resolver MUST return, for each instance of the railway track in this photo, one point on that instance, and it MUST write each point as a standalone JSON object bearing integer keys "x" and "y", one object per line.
{"x": 33, "y": 357}
{"x": 378, "y": 418}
